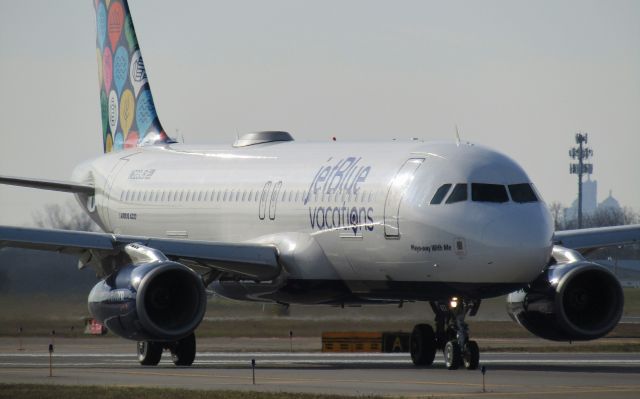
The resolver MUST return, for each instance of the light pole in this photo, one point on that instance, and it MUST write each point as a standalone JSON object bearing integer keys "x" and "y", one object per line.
{"x": 581, "y": 153}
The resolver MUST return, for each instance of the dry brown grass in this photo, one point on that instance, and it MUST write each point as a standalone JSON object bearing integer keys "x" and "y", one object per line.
{"x": 27, "y": 391}
{"x": 38, "y": 316}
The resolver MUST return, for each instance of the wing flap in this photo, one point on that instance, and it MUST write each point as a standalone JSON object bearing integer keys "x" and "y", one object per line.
{"x": 252, "y": 261}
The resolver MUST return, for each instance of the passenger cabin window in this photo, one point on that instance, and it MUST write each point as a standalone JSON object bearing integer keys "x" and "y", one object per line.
{"x": 522, "y": 193}
{"x": 458, "y": 194}
{"x": 440, "y": 194}
{"x": 489, "y": 193}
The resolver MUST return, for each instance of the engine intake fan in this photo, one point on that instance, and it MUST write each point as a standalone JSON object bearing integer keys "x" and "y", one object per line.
{"x": 573, "y": 301}
{"x": 151, "y": 299}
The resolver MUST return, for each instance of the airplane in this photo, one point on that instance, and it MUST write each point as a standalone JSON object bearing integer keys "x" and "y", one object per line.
{"x": 271, "y": 219}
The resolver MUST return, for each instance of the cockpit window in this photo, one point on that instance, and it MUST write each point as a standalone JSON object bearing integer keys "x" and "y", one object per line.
{"x": 488, "y": 193}
{"x": 440, "y": 194}
{"x": 458, "y": 194}
{"x": 522, "y": 193}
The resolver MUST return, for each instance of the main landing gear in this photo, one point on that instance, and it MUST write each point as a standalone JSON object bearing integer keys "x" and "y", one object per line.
{"x": 451, "y": 336}
{"x": 183, "y": 352}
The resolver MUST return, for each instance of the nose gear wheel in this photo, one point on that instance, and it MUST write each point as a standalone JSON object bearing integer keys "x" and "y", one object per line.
{"x": 452, "y": 355}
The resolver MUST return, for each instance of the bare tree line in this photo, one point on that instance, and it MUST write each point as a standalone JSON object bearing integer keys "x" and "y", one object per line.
{"x": 67, "y": 216}
{"x": 601, "y": 217}
{"x": 64, "y": 217}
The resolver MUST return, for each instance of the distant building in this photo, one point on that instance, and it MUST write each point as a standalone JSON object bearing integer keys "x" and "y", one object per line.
{"x": 590, "y": 201}
{"x": 610, "y": 202}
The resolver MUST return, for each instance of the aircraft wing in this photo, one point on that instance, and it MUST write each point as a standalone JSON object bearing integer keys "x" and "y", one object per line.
{"x": 587, "y": 240}
{"x": 55, "y": 185}
{"x": 252, "y": 261}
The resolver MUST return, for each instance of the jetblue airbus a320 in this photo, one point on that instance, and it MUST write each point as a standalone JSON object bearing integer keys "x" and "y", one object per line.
{"x": 271, "y": 219}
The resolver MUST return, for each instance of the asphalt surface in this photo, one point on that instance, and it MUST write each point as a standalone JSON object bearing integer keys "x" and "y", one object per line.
{"x": 526, "y": 375}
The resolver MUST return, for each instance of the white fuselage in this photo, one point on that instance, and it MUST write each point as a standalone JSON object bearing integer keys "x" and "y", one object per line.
{"x": 354, "y": 214}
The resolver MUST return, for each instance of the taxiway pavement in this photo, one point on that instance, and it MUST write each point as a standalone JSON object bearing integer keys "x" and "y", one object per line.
{"x": 526, "y": 375}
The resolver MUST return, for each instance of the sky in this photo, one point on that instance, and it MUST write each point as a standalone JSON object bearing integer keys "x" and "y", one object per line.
{"x": 521, "y": 77}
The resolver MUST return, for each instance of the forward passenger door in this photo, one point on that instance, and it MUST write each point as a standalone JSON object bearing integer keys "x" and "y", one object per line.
{"x": 396, "y": 192}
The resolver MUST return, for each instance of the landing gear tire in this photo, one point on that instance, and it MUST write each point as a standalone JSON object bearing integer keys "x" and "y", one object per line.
{"x": 471, "y": 356}
{"x": 452, "y": 355}
{"x": 149, "y": 353}
{"x": 183, "y": 352}
{"x": 423, "y": 345}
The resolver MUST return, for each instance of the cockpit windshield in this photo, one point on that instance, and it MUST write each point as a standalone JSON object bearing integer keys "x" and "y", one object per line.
{"x": 488, "y": 193}
{"x": 484, "y": 192}
{"x": 458, "y": 194}
{"x": 522, "y": 193}
{"x": 440, "y": 194}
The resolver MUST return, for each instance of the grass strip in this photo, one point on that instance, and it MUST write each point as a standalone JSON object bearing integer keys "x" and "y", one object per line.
{"x": 51, "y": 391}
{"x": 280, "y": 327}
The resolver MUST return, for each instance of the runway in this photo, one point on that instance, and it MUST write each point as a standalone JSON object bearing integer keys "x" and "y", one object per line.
{"x": 524, "y": 375}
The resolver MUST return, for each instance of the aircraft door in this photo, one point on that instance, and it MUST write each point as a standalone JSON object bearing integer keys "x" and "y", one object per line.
{"x": 110, "y": 200}
{"x": 262, "y": 210}
{"x": 398, "y": 186}
{"x": 274, "y": 200}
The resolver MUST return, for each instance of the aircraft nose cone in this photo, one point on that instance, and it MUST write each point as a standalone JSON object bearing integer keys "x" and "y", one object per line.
{"x": 518, "y": 230}
{"x": 522, "y": 237}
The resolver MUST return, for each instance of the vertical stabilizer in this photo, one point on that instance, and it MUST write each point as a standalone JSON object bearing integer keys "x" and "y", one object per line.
{"x": 129, "y": 116}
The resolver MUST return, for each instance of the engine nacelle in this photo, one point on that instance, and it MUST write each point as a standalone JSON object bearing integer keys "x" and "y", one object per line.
{"x": 574, "y": 301}
{"x": 156, "y": 301}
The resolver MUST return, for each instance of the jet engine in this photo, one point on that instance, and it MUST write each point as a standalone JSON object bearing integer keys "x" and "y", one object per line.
{"x": 158, "y": 300}
{"x": 573, "y": 301}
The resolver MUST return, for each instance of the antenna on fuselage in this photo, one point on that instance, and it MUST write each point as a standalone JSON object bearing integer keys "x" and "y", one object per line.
{"x": 178, "y": 134}
{"x": 457, "y": 136}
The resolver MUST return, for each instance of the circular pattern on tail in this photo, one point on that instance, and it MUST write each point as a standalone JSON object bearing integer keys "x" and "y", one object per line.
{"x": 125, "y": 97}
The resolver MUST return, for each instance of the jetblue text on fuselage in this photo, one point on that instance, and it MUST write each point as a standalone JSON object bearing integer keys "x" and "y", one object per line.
{"x": 345, "y": 178}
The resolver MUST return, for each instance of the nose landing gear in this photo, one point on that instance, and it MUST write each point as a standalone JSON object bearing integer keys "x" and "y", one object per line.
{"x": 451, "y": 336}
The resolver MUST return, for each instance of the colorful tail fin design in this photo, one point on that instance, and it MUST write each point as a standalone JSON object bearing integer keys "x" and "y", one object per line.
{"x": 129, "y": 117}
